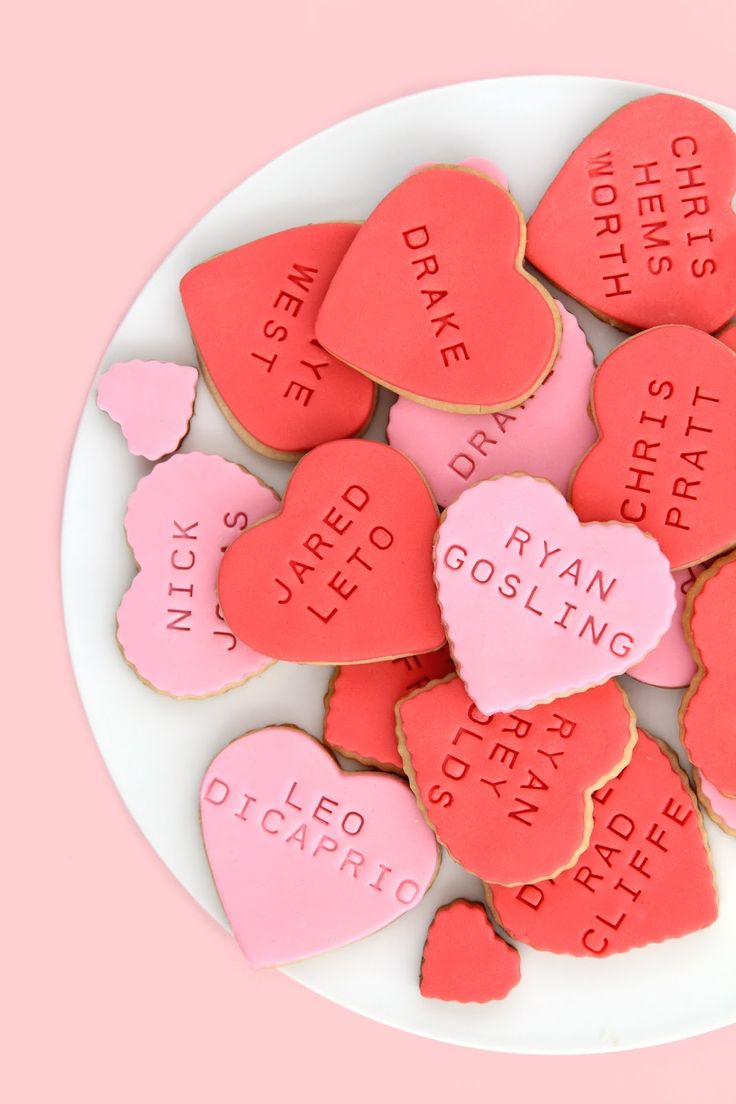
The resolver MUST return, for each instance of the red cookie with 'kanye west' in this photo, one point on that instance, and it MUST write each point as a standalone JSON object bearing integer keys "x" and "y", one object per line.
{"x": 432, "y": 301}
{"x": 665, "y": 459}
{"x": 638, "y": 225}
{"x": 510, "y": 795}
{"x": 343, "y": 573}
{"x": 251, "y": 312}
{"x": 645, "y": 876}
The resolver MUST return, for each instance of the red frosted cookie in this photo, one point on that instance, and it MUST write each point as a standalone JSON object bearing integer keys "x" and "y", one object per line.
{"x": 645, "y": 876}
{"x": 251, "y": 311}
{"x": 343, "y": 574}
{"x": 360, "y": 718}
{"x": 638, "y": 224}
{"x": 509, "y": 795}
{"x": 708, "y": 710}
{"x": 464, "y": 959}
{"x": 728, "y": 336}
{"x": 665, "y": 404}
{"x": 431, "y": 299}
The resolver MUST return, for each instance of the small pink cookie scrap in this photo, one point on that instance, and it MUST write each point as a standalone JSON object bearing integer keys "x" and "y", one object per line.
{"x": 180, "y": 520}
{"x": 152, "y": 401}
{"x": 639, "y": 224}
{"x": 720, "y": 809}
{"x": 645, "y": 877}
{"x": 305, "y": 857}
{"x": 509, "y": 795}
{"x": 537, "y": 605}
{"x": 708, "y": 710}
{"x": 544, "y": 436}
{"x": 464, "y": 959}
{"x": 360, "y": 720}
{"x": 671, "y": 663}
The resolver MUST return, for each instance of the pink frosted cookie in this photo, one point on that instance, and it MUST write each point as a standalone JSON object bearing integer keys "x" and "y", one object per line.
{"x": 645, "y": 877}
{"x": 544, "y": 436}
{"x": 720, "y": 809}
{"x": 537, "y": 605}
{"x": 305, "y": 857}
{"x": 464, "y": 959}
{"x": 152, "y": 401}
{"x": 671, "y": 663}
{"x": 180, "y": 520}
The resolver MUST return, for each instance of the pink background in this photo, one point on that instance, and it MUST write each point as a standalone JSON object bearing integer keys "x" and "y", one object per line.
{"x": 128, "y": 123}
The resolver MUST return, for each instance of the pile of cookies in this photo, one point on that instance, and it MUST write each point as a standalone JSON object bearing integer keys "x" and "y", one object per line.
{"x": 585, "y": 533}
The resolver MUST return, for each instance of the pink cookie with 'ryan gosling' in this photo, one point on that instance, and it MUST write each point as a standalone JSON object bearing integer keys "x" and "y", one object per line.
{"x": 307, "y": 857}
{"x": 671, "y": 663}
{"x": 152, "y": 401}
{"x": 180, "y": 520}
{"x": 537, "y": 605}
{"x": 545, "y": 436}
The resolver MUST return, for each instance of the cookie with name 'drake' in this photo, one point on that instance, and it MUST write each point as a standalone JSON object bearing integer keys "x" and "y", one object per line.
{"x": 638, "y": 224}
{"x": 252, "y": 312}
{"x": 645, "y": 876}
{"x": 432, "y": 301}
{"x": 665, "y": 405}
{"x": 537, "y": 605}
{"x": 306, "y": 857}
{"x": 509, "y": 795}
{"x": 343, "y": 574}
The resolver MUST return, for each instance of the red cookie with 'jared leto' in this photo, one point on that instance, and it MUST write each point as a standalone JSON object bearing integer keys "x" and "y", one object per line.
{"x": 510, "y": 795}
{"x": 665, "y": 405}
{"x": 432, "y": 301}
{"x": 464, "y": 959}
{"x": 638, "y": 225}
{"x": 343, "y": 573}
{"x": 645, "y": 876}
{"x": 251, "y": 311}
{"x": 360, "y": 708}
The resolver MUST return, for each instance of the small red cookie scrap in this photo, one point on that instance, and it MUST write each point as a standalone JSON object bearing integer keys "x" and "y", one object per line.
{"x": 638, "y": 224}
{"x": 708, "y": 710}
{"x": 432, "y": 301}
{"x": 252, "y": 312}
{"x": 665, "y": 404}
{"x": 645, "y": 876}
{"x": 343, "y": 573}
{"x": 464, "y": 959}
{"x": 510, "y": 795}
{"x": 360, "y": 719}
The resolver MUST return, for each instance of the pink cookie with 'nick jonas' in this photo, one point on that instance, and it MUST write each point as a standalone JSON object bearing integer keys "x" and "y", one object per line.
{"x": 180, "y": 520}
{"x": 537, "y": 605}
{"x": 671, "y": 663}
{"x": 305, "y": 856}
{"x": 545, "y": 436}
{"x": 152, "y": 401}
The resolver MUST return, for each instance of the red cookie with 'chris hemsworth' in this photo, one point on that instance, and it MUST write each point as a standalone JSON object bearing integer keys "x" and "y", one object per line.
{"x": 464, "y": 959}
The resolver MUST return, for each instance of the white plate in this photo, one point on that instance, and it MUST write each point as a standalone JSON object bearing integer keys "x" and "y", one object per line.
{"x": 157, "y": 749}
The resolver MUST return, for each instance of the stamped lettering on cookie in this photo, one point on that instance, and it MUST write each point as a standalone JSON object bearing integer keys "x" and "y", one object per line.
{"x": 639, "y": 224}
{"x": 305, "y": 857}
{"x": 180, "y": 520}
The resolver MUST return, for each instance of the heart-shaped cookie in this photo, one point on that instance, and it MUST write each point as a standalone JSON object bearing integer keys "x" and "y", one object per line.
{"x": 509, "y": 795}
{"x": 545, "y": 436}
{"x": 708, "y": 710}
{"x": 305, "y": 857}
{"x": 343, "y": 574}
{"x": 464, "y": 959}
{"x": 638, "y": 225}
{"x": 671, "y": 663}
{"x": 152, "y": 401}
{"x": 251, "y": 312}
{"x": 665, "y": 404}
{"x": 180, "y": 520}
{"x": 537, "y": 605}
{"x": 645, "y": 877}
{"x": 431, "y": 299}
{"x": 360, "y": 719}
